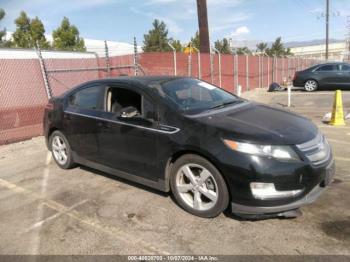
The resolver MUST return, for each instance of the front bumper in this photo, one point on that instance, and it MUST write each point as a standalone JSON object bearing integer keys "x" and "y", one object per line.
{"x": 310, "y": 197}
{"x": 252, "y": 210}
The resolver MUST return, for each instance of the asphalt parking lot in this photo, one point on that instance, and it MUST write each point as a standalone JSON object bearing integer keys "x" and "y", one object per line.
{"x": 46, "y": 210}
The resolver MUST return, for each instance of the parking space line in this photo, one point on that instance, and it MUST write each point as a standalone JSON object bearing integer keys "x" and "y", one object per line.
{"x": 342, "y": 159}
{"x": 90, "y": 221}
{"x": 35, "y": 242}
{"x": 338, "y": 141}
{"x": 334, "y": 127}
{"x": 311, "y": 108}
{"x": 58, "y": 214}
{"x": 317, "y": 93}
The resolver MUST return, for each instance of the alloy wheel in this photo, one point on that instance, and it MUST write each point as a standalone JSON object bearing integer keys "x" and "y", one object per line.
{"x": 311, "y": 85}
{"x": 59, "y": 149}
{"x": 197, "y": 187}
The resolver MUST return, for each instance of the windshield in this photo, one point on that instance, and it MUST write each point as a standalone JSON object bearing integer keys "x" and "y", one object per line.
{"x": 192, "y": 96}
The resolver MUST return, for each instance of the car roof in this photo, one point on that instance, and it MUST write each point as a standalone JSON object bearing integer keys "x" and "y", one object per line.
{"x": 140, "y": 80}
{"x": 325, "y": 64}
{"x": 332, "y": 63}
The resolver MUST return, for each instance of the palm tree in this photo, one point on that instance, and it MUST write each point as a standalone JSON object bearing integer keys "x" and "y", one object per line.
{"x": 261, "y": 47}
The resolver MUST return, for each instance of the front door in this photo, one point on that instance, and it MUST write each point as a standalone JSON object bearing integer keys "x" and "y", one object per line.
{"x": 129, "y": 144}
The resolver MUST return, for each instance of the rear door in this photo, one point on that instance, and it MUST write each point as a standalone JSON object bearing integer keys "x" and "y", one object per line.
{"x": 328, "y": 75}
{"x": 129, "y": 145}
{"x": 80, "y": 120}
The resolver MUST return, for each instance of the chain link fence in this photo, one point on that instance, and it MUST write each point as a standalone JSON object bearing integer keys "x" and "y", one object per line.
{"x": 30, "y": 77}
{"x": 22, "y": 98}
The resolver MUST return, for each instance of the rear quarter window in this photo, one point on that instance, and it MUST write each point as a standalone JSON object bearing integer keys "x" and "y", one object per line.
{"x": 87, "y": 98}
{"x": 345, "y": 68}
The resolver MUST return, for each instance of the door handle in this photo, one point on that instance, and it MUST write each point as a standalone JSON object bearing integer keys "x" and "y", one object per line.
{"x": 67, "y": 117}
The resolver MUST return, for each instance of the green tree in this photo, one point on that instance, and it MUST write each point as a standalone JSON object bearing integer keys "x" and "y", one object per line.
{"x": 157, "y": 38}
{"x": 37, "y": 33}
{"x": 66, "y": 37}
{"x": 176, "y": 44}
{"x": 196, "y": 41}
{"x": 288, "y": 52}
{"x": 3, "y": 41}
{"x": 29, "y": 32}
{"x": 243, "y": 51}
{"x": 223, "y": 46}
{"x": 261, "y": 47}
{"x": 2, "y": 32}
{"x": 278, "y": 49}
{"x": 21, "y": 37}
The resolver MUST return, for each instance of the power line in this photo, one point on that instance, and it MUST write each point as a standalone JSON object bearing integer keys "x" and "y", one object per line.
{"x": 302, "y": 5}
{"x": 306, "y": 4}
{"x": 295, "y": 37}
{"x": 333, "y": 11}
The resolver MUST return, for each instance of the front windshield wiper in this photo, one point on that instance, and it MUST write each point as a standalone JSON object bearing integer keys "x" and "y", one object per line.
{"x": 226, "y": 104}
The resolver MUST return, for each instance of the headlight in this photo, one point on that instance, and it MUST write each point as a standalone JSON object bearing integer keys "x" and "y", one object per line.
{"x": 278, "y": 152}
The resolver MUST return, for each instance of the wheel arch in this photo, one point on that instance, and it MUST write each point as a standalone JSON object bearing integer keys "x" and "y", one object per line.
{"x": 49, "y": 134}
{"x": 182, "y": 153}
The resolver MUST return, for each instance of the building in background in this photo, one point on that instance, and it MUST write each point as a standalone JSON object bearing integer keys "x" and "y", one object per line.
{"x": 114, "y": 48}
{"x": 337, "y": 51}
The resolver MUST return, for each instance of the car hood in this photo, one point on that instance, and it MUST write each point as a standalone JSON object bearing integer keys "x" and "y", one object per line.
{"x": 257, "y": 123}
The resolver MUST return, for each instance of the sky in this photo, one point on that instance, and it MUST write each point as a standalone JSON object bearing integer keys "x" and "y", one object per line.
{"x": 241, "y": 20}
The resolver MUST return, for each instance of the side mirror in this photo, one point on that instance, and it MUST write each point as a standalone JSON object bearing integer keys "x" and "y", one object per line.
{"x": 129, "y": 112}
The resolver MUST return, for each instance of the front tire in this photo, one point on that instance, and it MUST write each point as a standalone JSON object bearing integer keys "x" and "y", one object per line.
{"x": 61, "y": 151}
{"x": 198, "y": 186}
{"x": 311, "y": 85}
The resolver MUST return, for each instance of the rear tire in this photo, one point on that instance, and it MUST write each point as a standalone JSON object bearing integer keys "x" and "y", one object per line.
{"x": 61, "y": 151}
{"x": 198, "y": 186}
{"x": 311, "y": 85}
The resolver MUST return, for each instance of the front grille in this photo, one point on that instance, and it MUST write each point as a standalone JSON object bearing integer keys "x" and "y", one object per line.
{"x": 317, "y": 150}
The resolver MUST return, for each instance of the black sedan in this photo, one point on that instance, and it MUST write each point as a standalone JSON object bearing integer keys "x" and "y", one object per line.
{"x": 211, "y": 149}
{"x": 330, "y": 75}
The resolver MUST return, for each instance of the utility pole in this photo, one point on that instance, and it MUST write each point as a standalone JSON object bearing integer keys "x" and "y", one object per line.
{"x": 348, "y": 39}
{"x": 136, "y": 62}
{"x": 203, "y": 26}
{"x": 327, "y": 29}
{"x": 108, "y": 65}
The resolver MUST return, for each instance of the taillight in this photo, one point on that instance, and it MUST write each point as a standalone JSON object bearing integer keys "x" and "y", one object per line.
{"x": 49, "y": 106}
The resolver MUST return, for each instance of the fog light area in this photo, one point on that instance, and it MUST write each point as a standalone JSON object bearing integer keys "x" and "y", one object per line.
{"x": 267, "y": 191}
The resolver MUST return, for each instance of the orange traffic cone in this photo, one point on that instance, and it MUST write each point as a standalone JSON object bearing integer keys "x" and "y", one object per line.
{"x": 338, "y": 112}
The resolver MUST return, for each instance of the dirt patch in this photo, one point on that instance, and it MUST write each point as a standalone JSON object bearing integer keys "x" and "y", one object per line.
{"x": 339, "y": 229}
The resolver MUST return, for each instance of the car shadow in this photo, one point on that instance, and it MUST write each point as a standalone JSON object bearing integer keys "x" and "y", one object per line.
{"x": 227, "y": 213}
{"x": 253, "y": 218}
{"x": 125, "y": 181}
{"x": 324, "y": 89}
